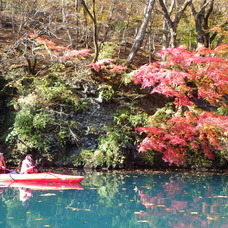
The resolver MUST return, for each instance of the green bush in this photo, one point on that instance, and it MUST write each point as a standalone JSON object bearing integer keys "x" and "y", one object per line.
{"x": 43, "y": 109}
{"x": 108, "y": 154}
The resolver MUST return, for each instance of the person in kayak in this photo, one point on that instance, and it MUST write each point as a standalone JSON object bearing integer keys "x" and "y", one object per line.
{"x": 2, "y": 164}
{"x": 28, "y": 165}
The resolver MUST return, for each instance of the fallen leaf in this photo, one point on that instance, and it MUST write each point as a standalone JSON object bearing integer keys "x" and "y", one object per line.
{"x": 142, "y": 221}
{"x": 168, "y": 209}
{"x": 77, "y": 209}
{"x": 138, "y": 212}
{"x": 48, "y": 194}
{"x": 149, "y": 204}
{"x": 220, "y": 197}
{"x": 212, "y": 218}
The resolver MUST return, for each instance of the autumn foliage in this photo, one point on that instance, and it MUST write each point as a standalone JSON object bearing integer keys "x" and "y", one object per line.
{"x": 107, "y": 65}
{"x": 190, "y": 78}
{"x": 187, "y": 75}
{"x": 62, "y": 53}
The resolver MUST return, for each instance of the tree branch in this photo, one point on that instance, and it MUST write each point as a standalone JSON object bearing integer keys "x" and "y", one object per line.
{"x": 209, "y": 10}
{"x": 181, "y": 11}
{"x": 202, "y": 8}
{"x": 166, "y": 13}
{"x": 87, "y": 10}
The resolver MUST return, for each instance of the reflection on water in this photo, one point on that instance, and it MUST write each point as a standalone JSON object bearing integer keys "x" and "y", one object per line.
{"x": 181, "y": 203}
{"x": 121, "y": 200}
{"x": 25, "y": 194}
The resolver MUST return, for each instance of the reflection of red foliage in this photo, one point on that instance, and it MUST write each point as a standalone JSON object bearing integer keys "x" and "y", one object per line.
{"x": 179, "y": 205}
{"x": 201, "y": 223}
{"x": 173, "y": 187}
{"x": 150, "y": 201}
{"x": 194, "y": 213}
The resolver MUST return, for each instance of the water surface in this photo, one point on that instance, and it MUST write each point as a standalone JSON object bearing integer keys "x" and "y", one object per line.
{"x": 122, "y": 200}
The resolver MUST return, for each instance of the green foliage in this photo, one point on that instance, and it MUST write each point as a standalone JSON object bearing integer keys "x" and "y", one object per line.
{"x": 128, "y": 119}
{"x": 107, "y": 92}
{"x": 223, "y": 111}
{"x": 107, "y": 51}
{"x": 162, "y": 115}
{"x": 52, "y": 91}
{"x": 27, "y": 132}
{"x": 148, "y": 158}
{"x": 108, "y": 154}
{"x": 196, "y": 159}
{"x": 42, "y": 123}
{"x": 186, "y": 32}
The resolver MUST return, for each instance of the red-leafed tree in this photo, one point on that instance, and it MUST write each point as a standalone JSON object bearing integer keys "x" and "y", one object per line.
{"x": 198, "y": 83}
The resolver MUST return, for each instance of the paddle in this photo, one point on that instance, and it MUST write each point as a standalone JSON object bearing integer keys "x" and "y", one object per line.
{"x": 10, "y": 171}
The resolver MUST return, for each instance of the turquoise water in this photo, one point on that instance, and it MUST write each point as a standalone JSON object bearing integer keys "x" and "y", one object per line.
{"x": 122, "y": 200}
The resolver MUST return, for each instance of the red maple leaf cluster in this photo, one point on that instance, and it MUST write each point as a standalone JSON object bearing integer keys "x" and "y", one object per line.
{"x": 181, "y": 70}
{"x": 180, "y": 76}
{"x": 108, "y": 65}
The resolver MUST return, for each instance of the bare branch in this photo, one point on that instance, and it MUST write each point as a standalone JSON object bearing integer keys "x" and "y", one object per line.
{"x": 87, "y": 10}
{"x": 181, "y": 11}
{"x": 166, "y": 13}
{"x": 209, "y": 10}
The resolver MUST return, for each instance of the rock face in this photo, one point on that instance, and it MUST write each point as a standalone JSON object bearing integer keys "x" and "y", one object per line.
{"x": 91, "y": 123}
{"x": 3, "y": 113}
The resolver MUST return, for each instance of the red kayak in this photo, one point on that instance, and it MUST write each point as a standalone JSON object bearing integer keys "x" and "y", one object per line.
{"x": 41, "y": 178}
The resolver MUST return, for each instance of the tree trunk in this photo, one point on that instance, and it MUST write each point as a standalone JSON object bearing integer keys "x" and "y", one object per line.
{"x": 172, "y": 24}
{"x": 141, "y": 32}
{"x": 165, "y": 28}
{"x": 77, "y": 31}
{"x": 201, "y": 22}
{"x": 95, "y": 27}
